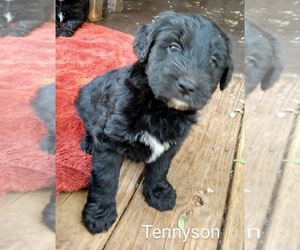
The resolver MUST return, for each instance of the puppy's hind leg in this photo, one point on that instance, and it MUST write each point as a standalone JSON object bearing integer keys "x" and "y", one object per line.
{"x": 47, "y": 144}
{"x": 100, "y": 212}
{"x": 158, "y": 192}
{"x": 70, "y": 27}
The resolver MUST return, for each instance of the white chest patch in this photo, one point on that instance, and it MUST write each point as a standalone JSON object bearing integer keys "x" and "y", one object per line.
{"x": 8, "y": 17}
{"x": 156, "y": 147}
{"x": 61, "y": 17}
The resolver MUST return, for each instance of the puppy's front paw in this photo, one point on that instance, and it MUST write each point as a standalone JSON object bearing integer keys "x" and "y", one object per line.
{"x": 16, "y": 32}
{"x": 57, "y": 31}
{"x": 66, "y": 33}
{"x": 98, "y": 219}
{"x": 2, "y": 30}
{"x": 49, "y": 215}
{"x": 161, "y": 197}
{"x": 87, "y": 144}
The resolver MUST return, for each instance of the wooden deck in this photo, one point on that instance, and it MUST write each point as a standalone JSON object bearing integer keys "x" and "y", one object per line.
{"x": 211, "y": 189}
{"x": 21, "y": 221}
{"x": 272, "y": 187}
{"x": 209, "y": 192}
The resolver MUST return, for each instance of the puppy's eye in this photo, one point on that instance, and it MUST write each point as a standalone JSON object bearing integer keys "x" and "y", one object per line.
{"x": 213, "y": 61}
{"x": 174, "y": 47}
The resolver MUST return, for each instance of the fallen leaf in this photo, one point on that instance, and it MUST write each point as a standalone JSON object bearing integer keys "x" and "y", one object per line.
{"x": 234, "y": 112}
{"x": 281, "y": 114}
{"x": 296, "y": 101}
{"x": 181, "y": 222}
{"x": 239, "y": 160}
{"x": 294, "y": 111}
{"x": 292, "y": 160}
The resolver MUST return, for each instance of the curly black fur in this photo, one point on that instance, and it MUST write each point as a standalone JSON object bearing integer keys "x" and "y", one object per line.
{"x": 43, "y": 105}
{"x": 70, "y": 15}
{"x": 146, "y": 110}
{"x": 263, "y": 63}
{"x": 20, "y": 17}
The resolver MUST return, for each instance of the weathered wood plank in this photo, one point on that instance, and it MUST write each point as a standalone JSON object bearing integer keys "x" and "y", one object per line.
{"x": 284, "y": 227}
{"x": 233, "y": 235}
{"x": 267, "y": 136}
{"x": 61, "y": 198}
{"x": 9, "y": 199}
{"x": 21, "y": 222}
{"x": 68, "y": 213}
{"x": 203, "y": 163}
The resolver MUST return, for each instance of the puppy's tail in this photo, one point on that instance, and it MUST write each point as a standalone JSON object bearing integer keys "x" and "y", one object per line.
{"x": 275, "y": 71}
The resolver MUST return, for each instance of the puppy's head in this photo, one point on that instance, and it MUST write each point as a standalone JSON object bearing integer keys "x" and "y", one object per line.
{"x": 186, "y": 57}
{"x": 263, "y": 64}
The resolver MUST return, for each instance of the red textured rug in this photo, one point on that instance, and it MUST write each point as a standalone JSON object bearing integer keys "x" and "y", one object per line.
{"x": 26, "y": 64}
{"x": 92, "y": 51}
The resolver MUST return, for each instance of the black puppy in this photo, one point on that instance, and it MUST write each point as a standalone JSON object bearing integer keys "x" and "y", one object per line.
{"x": 263, "y": 64}
{"x": 43, "y": 105}
{"x": 70, "y": 15}
{"x": 20, "y": 17}
{"x": 146, "y": 110}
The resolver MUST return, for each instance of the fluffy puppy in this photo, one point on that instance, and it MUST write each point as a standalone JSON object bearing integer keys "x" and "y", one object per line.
{"x": 19, "y": 17}
{"x": 70, "y": 15}
{"x": 263, "y": 63}
{"x": 43, "y": 105}
{"x": 146, "y": 110}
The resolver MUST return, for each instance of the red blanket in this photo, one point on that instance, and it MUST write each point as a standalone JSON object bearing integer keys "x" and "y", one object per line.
{"x": 92, "y": 51}
{"x": 26, "y": 64}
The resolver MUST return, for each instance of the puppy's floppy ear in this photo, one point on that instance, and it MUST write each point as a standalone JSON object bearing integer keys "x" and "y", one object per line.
{"x": 143, "y": 41}
{"x": 227, "y": 74}
{"x": 146, "y": 35}
{"x": 274, "y": 72}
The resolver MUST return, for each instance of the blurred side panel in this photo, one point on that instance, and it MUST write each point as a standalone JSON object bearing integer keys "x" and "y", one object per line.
{"x": 272, "y": 86}
{"x": 27, "y": 124}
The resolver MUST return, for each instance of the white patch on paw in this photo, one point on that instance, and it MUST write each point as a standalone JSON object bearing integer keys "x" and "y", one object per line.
{"x": 8, "y": 17}
{"x": 157, "y": 148}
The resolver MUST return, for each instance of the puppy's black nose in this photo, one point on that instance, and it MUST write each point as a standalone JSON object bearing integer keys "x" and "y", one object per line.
{"x": 186, "y": 85}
